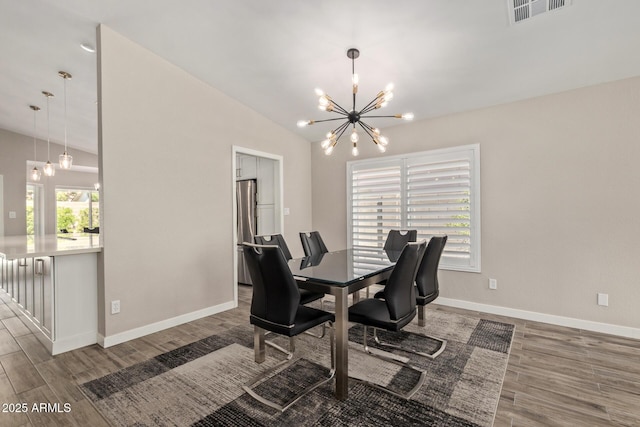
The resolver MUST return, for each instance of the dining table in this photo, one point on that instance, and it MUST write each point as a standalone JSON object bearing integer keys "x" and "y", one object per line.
{"x": 342, "y": 273}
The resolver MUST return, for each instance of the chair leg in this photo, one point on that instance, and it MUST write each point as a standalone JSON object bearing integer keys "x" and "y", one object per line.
{"x": 443, "y": 344}
{"x": 421, "y": 313}
{"x": 323, "y": 325}
{"x": 258, "y": 344}
{"x": 406, "y": 395}
{"x": 248, "y": 387}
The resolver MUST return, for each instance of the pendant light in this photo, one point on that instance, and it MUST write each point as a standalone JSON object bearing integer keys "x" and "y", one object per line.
{"x": 49, "y": 169}
{"x": 65, "y": 159}
{"x": 35, "y": 172}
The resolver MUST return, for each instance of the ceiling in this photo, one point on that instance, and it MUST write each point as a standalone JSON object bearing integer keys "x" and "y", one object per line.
{"x": 444, "y": 56}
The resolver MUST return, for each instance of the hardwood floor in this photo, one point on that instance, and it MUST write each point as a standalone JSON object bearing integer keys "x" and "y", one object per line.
{"x": 555, "y": 377}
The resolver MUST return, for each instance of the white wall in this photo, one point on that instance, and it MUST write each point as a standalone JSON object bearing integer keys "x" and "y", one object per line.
{"x": 559, "y": 178}
{"x": 165, "y": 143}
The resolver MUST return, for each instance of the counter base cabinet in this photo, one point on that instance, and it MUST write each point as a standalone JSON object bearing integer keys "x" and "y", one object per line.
{"x": 59, "y": 294}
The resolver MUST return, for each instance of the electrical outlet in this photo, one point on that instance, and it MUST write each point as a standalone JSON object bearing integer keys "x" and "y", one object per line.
{"x": 603, "y": 299}
{"x": 493, "y": 284}
{"x": 115, "y": 306}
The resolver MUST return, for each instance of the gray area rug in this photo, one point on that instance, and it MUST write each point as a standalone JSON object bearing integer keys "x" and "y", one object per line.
{"x": 200, "y": 384}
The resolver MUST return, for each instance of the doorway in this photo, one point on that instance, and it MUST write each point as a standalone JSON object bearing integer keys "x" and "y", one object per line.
{"x": 264, "y": 170}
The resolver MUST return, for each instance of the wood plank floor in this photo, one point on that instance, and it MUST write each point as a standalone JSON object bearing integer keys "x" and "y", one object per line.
{"x": 555, "y": 377}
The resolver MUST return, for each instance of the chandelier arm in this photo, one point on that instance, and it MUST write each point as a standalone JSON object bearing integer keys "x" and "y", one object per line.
{"x": 370, "y": 106}
{"x": 329, "y": 120}
{"x": 342, "y": 128}
{"x": 395, "y": 116}
{"x": 340, "y": 110}
{"x": 366, "y": 128}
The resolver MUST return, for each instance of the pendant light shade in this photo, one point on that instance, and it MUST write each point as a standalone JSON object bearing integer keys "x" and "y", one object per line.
{"x": 65, "y": 159}
{"x": 49, "y": 169}
{"x": 35, "y": 172}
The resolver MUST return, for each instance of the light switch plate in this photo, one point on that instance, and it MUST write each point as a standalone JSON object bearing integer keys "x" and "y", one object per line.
{"x": 603, "y": 299}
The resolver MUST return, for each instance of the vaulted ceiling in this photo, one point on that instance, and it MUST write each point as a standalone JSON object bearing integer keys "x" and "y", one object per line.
{"x": 444, "y": 56}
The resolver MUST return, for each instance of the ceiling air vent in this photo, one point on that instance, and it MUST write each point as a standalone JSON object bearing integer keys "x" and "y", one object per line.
{"x": 521, "y": 10}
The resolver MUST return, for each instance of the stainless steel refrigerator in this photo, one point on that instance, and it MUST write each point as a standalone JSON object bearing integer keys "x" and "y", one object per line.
{"x": 246, "y": 199}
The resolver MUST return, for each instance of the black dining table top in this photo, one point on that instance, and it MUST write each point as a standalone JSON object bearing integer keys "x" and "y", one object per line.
{"x": 343, "y": 267}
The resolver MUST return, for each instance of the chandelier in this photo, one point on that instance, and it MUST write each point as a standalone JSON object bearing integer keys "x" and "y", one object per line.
{"x": 354, "y": 117}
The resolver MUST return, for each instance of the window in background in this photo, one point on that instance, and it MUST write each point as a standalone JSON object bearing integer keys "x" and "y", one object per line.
{"x": 435, "y": 192}
{"x": 35, "y": 223}
{"x": 77, "y": 209}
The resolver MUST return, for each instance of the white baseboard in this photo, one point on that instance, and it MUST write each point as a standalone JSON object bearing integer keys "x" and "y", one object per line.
{"x": 131, "y": 334}
{"x": 606, "y": 328}
{"x": 72, "y": 343}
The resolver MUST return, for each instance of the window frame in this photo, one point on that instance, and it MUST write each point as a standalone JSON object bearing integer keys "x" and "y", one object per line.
{"x": 471, "y": 153}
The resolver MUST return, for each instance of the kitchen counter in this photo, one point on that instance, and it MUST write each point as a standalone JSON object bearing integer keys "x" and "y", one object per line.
{"x": 15, "y": 247}
{"x": 53, "y": 280}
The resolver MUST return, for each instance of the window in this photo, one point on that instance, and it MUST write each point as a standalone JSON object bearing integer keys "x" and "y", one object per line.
{"x": 435, "y": 192}
{"x": 35, "y": 223}
{"x": 77, "y": 209}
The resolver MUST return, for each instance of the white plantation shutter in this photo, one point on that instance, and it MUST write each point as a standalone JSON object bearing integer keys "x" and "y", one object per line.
{"x": 435, "y": 192}
{"x": 376, "y": 197}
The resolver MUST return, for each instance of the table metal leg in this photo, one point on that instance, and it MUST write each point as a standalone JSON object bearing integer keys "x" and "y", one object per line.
{"x": 342, "y": 343}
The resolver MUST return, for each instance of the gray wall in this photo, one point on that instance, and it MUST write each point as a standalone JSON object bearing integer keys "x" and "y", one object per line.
{"x": 166, "y": 143}
{"x": 15, "y": 151}
{"x": 559, "y": 177}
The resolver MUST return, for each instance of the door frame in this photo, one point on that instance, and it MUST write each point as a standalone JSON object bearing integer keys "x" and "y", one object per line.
{"x": 278, "y": 191}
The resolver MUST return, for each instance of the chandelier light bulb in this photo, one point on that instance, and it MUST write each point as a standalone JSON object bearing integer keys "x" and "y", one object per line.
{"x": 325, "y": 144}
{"x": 407, "y": 116}
{"x": 319, "y": 91}
{"x": 388, "y": 87}
{"x": 382, "y": 148}
{"x": 303, "y": 123}
{"x": 354, "y": 136}
{"x": 354, "y": 150}
{"x": 383, "y": 140}
{"x": 323, "y": 100}
{"x": 328, "y": 150}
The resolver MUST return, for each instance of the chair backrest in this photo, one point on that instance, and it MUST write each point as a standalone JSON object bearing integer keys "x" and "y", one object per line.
{"x": 396, "y": 239}
{"x": 274, "y": 239}
{"x": 312, "y": 244}
{"x": 95, "y": 230}
{"x": 427, "y": 276}
{"x": 275, "y": 292}
{"x": 398, "y": 292}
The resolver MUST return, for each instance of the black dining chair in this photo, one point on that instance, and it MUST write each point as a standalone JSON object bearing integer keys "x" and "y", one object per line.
{"x": 306, "y": 296}
{"x": 396, "y": 239}
{"x": 427, "y": 277}
{"x": 397, "y": 308}
{"x": 395, "y": 242}
{"x": 274, "y": 239}
{"x": 312, "y": 243}
{"x": 94, "y": 230}
{"x": 276, "y": 307}
{"x": 427, "y": 288}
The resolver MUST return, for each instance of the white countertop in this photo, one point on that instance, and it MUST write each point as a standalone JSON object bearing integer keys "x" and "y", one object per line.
{"x": 14, "y": 247}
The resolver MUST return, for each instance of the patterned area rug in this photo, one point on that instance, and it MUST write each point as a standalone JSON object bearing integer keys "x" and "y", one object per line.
{"x": 200, "y": 384}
